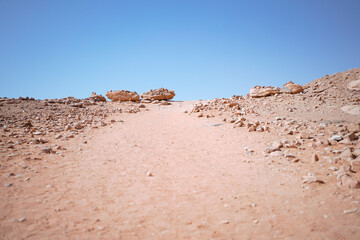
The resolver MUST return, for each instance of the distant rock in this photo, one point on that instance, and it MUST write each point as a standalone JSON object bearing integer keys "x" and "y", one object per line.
{"x": 122, "y": 95}
{"x": 158, "y": 94}
{"x": 354, "y": 85}
{"x": 292, "y": 88}
{"x": 262, "y": 91}
{"x": 351, "y": 109}
{"x": 97, "y": 97}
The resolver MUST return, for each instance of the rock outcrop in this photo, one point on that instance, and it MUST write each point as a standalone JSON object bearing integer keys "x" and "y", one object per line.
{"x": 354, "y": 85}
{"x": 351, "y": 109}
{"x": 122, "y": 95}
{"x": 262, "y": 91}
{"x": 158, "y": 94}
{"x": 292, "y": 88}
{"x": 97, "y": 97}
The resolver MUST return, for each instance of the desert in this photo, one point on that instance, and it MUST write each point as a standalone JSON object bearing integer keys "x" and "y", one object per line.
{"x": 272, "y": 165}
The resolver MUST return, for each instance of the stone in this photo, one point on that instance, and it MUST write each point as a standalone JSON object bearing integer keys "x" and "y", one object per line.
{"x": 346, "y": 154}
{"x": 78, "y": 126}
{"x": 292, "y": 88}
{"x": 351, "y": 109}
{"x": 276, "y": 154}
{"x": 337, "y": 138}
{"x": 311, "y": 178}
{"x": 354, "y": 210}
{"x": 262, "y": 91}
{"x": 355, "y": 165}
{"x": 315, "y": 158}
{"x": 275, "y": 146}
{"x": 354, "y": 85}
{"x": 351, "y": 136}
{"x": 349, "y": 182}
{"x": 122, "y": 95}
{"x": 158, "y": 94}
{"x": 97, "y": 97}
{"x": 46, "y": 150}
{"x": 21, "y": 219}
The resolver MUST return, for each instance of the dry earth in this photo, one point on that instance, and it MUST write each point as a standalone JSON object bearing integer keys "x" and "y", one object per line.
{"x": 280, "y": 167}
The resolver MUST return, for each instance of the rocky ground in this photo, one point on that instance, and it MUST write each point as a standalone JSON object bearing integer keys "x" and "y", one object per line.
{"x": 285, "y": 166}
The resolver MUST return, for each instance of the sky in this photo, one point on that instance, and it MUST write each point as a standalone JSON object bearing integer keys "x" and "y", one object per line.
{"x": 202, "y": 49}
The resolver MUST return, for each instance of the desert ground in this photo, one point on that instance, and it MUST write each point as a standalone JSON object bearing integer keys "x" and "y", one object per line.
{"x": 284, "y": 166}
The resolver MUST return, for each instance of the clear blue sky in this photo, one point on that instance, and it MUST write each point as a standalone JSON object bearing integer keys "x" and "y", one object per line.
{"x": 201, "y": 49}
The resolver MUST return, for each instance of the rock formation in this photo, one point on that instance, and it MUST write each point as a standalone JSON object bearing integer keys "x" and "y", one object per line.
{"x": 262, "y": 91}
{"x": 122, "y": 95}
{"x": 292, "y": 88}
{"x": 97, "y": 97}
{"x": 354, "y": 85}
{"x": 158, "y": 94}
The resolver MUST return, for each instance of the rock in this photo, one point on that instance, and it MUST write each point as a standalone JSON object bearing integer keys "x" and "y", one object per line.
{"x": 351, "y": 136}
{"x": 46, "y": 150}
{"x": 346, "y": 154}
{"x": 275, "y": 146}
{"x": 78, "y": 126}
{"x": 315, "y": 158}
{"x": 337, "y": 138}
{"x": 349, "y": 182}
{"x": 292, "y": 88}
{"x": 97, "y": 97}
{"x": 158, "y": 94}
{"x": 21, "y": 219}
{"x": 354, "y": 210}
{"x": 311, "y": 178}
{"x": 149, "y": 174}
{"x": 122, "y": 95}
{"x": 354, "y": 85}
{"x": 57, "y": 136}
{"x": 276, "y": 154}
{"x": 355, "y": 165}
{"x": 351, "y": 109}
{"x": 262, "y": 91}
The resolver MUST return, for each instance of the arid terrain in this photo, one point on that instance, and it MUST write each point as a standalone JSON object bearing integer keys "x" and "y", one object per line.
{"x": 284, "y": 166}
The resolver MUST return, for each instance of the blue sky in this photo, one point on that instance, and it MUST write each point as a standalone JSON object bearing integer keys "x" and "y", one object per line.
{"x": 201, "y": 49}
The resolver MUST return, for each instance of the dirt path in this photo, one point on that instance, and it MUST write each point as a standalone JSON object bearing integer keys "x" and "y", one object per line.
{"x": 162, "y": 174}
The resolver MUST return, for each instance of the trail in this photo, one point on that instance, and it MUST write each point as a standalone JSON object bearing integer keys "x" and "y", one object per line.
{"x": 162, "y": 174}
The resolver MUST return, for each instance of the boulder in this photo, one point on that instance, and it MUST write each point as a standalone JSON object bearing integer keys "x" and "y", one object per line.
{"x": 97, "y": 97}
{"x": 262, "y": 91}
{"x": 122, "y": 95}
{"x": 292, "y": 88}
{"x": 351, "y": 109}
{"x": 354, "y": 85}
{"x": 158, "y": 94}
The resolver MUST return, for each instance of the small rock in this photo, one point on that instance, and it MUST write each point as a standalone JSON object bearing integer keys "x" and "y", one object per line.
{"x": 315, "y": 158}
{"x": 354, "y": 210}
{"x": 149, "y": 174}
{"x": 46, "y": 150}
{"x": 337, "y": 138}
{"x": 21, "y": 219}
{"x": 355, "y": 165}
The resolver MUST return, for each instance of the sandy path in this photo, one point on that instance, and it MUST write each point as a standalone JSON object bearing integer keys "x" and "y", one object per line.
{"x": 202, "y": 187}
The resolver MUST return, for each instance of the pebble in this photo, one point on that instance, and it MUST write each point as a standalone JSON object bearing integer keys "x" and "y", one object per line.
{"x": 337, "y": 137}
{"x": 149, "y": 174}
{"x": 21, "y": 219}
{"x": 354, "y": 210}
{"x": 9, "y": 185}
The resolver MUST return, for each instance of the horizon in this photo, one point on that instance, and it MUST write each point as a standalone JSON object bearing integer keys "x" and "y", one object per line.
{"x": 199, "y": 49}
